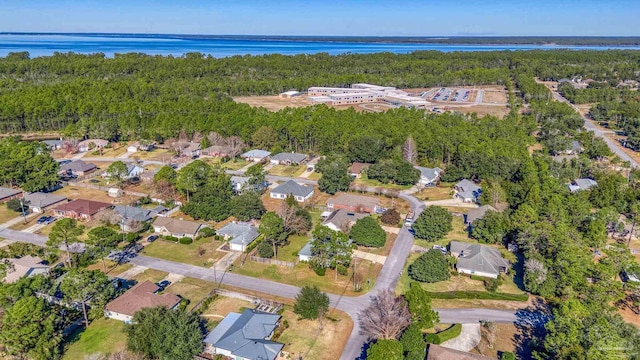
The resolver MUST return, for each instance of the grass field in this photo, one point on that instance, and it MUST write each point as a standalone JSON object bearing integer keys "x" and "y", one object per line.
{"x": 376, "y": 183}
{"x": 458, "y": 233}
{"x": 441, "y": 192}
{"x": 183, "y": 253}
{"x": 235, "y": 165}
{"x": 151, "y": 275}
{"x": 74, "y": 192}
{"x": 192, "y": 289}
{"x": 222, "y": 306}
{"x": 314, "y": 176}
{"x": 6, "y": 214}
{"x": 102, "y": 336}
{"x": 288, "y": 171}
{"x": 290, "y": 251}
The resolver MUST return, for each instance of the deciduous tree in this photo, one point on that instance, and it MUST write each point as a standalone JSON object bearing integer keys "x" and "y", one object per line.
{"x": 272, "y": 228}
{"x": 118, "y": 172}
{"x": 367, "y": 232}
{"x": 386, "y": 317}
{"x": 247, "y": 206}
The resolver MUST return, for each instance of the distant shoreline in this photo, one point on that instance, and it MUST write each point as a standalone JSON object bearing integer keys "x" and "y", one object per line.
{"x": 438, "y": 40}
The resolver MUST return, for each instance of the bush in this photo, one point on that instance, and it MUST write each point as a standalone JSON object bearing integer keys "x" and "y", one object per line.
{"x": 343, "y": 270}
{"x": 254, "y": 244}
{"x": 132, "y": 237}
{"x": 185, "y": 240}
{"x": 492, "y": 284}
{"x": 448, "y": 334}
{"x": 265, "y": 250}
{"x": 320, "y": 271}
{"x": 367, "y": 232}
{"x": 171, "y": 238}
{"x": 507, "y": 355}
{"x": 183, "y": 304}
{"x": 433, "y": 223}
{"x": 311, "y": 303}
{"x": 207, "y": 232}
{"x": 390, "y": 217}
{"x": 430, "y": 267}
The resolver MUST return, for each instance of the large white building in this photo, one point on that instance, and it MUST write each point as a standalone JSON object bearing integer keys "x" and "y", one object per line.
{"x": 364, "y": 93}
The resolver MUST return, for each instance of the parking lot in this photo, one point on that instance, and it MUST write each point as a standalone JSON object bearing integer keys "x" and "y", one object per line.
{"x": 455, "y": 95}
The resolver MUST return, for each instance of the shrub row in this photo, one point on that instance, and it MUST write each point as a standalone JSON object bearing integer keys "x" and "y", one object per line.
{"x": 254, "y": 244}
{"x": 480, "y": 295}
{"x": 442, "y": 336}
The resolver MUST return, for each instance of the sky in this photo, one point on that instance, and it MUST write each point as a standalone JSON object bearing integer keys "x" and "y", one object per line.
{"x": 326, "y": 17}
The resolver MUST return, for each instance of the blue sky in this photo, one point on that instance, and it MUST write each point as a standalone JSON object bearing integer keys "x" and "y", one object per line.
{"x": 327, "y": 17}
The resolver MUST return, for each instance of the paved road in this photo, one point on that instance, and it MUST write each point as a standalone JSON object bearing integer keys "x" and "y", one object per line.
{"x": 40, "y": 240}
{"x": 589, "y": 125}
{"x": 106, "y": 159}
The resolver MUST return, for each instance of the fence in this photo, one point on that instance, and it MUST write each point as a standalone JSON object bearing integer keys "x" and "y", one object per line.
{"x": 635, "y": 251}
{"x": 272, "y": 261}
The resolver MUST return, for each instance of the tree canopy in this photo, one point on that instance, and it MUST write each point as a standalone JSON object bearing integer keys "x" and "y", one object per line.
{"x": 433, "y": 223}
{"x": 430, "y": 267}
{"x": 311, "y": 303}
{"x": 367, "y": 232}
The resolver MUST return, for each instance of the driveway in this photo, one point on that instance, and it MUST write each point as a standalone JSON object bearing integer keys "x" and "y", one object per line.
{"x": 468, "y": 339}
{"x": 452, "y": 203}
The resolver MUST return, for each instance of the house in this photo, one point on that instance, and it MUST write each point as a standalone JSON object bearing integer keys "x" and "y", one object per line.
{"x": 256, "y": 155}
{"x": 576, "y": 148}
{"x": 54, "y": 144}
{"x": 7, "y": 194}
{"x": 475, "y": 259}
{"x": 357, "y": 169}
{"x": 92, "y": 144}
{"x": 175, "y": 227}
{"x": 428, "y": 176}
{"x": 582, "y": 184}
{"x": 77, "y": 168}
{"x": 245, "y": 336}
{"x": 342, "y": 220}
{"x": 147, "y": 176}
{"x": 354, "y": 203}
{"x": 141, "y": 296}
{"x": 467, "y": 191}
{"x": 39, "y": 202}
{"x": 25, "y": 266}
{"x": 300, "y": 192}
{"x": 192, "y": 150}
{"x": 146, "y": 145}
{"x": 130, "y": 215}
{"x": 479, "y": 213}
{"x": 288, "y": 159}
{"x": 305, "y": 253}
{"x": 238, "y": 183}
{"x": 80, "y": 209}
{"x": 438, "y": 352}
{"x": 133, "y": 171}
{"x": 215, "y": 151}
{"x": 239, "y": 234}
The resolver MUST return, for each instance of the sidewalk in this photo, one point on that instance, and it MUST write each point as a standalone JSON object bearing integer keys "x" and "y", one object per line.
{"x": 17, "y": 220}
{"x": 369, "y": 256}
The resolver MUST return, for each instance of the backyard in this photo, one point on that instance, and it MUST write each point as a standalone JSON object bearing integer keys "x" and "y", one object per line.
{"x": 458, "y": 233}
{"x": 288, "y": 171}
{"x": 186, "y": 253}
{"x": 441, "y": 192}
{"x": 103, "y": 336}
{"x": 6, "y": 214}
{"x": 289, "y": 252}
{"x": 221, "y": 307}
{"x": 192, "y": 289}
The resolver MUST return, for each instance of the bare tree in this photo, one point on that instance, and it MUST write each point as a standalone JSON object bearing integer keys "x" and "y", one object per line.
{"x": 197, "y": 137}
{"x": 216, "y": 139}
{"x": 386, "y": 317}
{"x": 293, "y": 222}
{"x": 165, "y": 189}
{"x": 108, "y": 217}
{"x": 409, "y": 152}
{"x": 235, "y": 145}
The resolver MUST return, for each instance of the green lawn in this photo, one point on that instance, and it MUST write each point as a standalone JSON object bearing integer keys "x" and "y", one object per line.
{"x": 458, "y": 233}
{"x": 6, "y": 214}
{"x": 235, "y": 165}
{"x": 102, "y": 336}
{"x": 193, "y": 289}
{"x": 188, "y": 254}
{"x": 151, "y": 275}
{"x": 314, "y": 176}
{"x": 290, "y": 251}
{"x": 376, "y": 183}
{"x": 288, "y": 171}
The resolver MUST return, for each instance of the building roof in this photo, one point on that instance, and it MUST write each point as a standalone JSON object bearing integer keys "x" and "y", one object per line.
{"x": 53, "y": 143}
{"x": 241, "y": 233}
{"x": 467, "y": 189}
{"x": 41, "y": 200}
{"x": 141, "y": 296}
{"x": 479, "y": 213}
{"x": 292, "y": 157}
{"x": 358, "y": 167}
{"x": 255, "y": 153}
{"x": 8, "y": 192}
{"x": 97, "y": 142}
{"x": 134, "y": 213}
{"x": 22, "y": 267}
{"x": 354, "y": 200}
{"x": 191, "y": 147}
{"x": 585, "y": 184}
{"x": 479, "y": 258}
{"x": 342, "y": 218}
{"x": 306, "y": 249}
{"x": 438, "y": 352}
{"x": 239, "y": 179}
{"x": 83, "y": 206}
{"x": 78, "y": 165}
{"x": 245, "y": 334}
{"x": 429, "y": 173}
{"x": 177, "y": 226}
{"x": 293, "y": 188}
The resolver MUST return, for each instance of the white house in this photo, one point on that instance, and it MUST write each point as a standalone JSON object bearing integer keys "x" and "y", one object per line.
{"x": 239, "y": 234}
{"x": 428, "y": 176}
{"x": 300, "y": 192}
{"x": 480, "y": 260}
{"x": 467, "y": 191}
{"x": 256, "y": 155}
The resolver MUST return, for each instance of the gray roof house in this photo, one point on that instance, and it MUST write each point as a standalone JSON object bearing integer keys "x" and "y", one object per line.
{"x": 300, "y": 192}
{"x": 25, "y": 266}
{"x": 54, "y": 144}
{"x": 130, "y": 214}
{"x": 342, "y": 219}
{"x": 305, "y": 253}
{"x": 7, "y": 194}
{"x": 39, "y": 202}
{"x": 288, "y": 158}
{"x": 479, "y": 213}
{"x": 582, "y": 184}
{"x": 256, "y": 155}
{"x": 78, "y": 167}
{"x": 242, "y": 234}
{"x": 132, "y": 171}
{"x": 467, "y": 191}
{"x": 238, "y": 182}
{"x": 428, "y": 176}
{"x": 475, "y": 259}
{"x": 245, "y": 336}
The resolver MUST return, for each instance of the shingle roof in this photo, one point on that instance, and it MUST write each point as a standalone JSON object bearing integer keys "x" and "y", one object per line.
{"x": 78, "y": 165}
{"x": 239, "y": 179}
{"x": 82, "y": 206}
{"x": 133, "y": 213}
{"x": 22, "y": 267}
{"x": 293, "y": 188}
{"x": 585, "y": 184}
{"x": 245, "y": 334}
{"x": 342, "y": 218}
{"x": 479, "y": 213}
{"x": 139, "y": 297}
{"x": 354, "y": 200}
{"x": 241, "y": 233}
{"x": 479, "y": 258}
{"x": 255, "y": 153}
{"x": 429, "y": 173}
{"x": 467, "y": 186}
{"x": 358, "y": 167}
{"x": 40, "y": 199}
{"x": 292, "y": 157}
{"x": 96, "y": 142}
{"x": 306, "y": 249}
{"x": 177, "y": 226}
{"x": 8, "y": 192}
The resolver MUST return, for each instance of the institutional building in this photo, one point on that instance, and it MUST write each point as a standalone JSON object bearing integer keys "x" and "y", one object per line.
{"x": 364, "y": 93}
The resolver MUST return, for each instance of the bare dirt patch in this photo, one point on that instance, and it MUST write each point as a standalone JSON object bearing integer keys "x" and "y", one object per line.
{"x": 504, "y": 340}
{"x": 495, "y": 97}
{"x": 483, "y": 110}
{"x": 223, "y": 305}
{"x": 274, "y": 102}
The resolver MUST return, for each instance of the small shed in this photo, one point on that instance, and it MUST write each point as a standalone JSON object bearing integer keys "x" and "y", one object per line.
{"x": 132, "y": 148}
{"x": 115, "y": 192}
{"x": 290, "y": 94}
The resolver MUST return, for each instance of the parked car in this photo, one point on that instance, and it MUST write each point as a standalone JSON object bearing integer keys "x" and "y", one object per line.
{"x": 164, "y": 283}
{"x": 152, "y": 238}
{"x": 442, "y": 249}
{"x": 42, "y": 220}
{"x": 63, "y": 162}
{"x": 50, "y": 220}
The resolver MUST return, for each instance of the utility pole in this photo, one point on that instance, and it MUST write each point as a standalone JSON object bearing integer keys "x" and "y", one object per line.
{"x": 22, "y": 210}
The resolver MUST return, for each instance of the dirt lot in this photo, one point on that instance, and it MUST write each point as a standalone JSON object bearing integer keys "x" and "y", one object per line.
{"x": 273, "y": 103}
{"x": 222, "y": 306}
{"x": 495, "y": 97}
{"x": 482, "y": 110}
{"x": 504, "y": 340}
{"x": 74, "y": 192}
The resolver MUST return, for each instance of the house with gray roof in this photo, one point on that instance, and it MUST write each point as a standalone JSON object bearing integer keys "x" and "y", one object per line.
{"x": 24, "y": 267}
{"x": 131, "y": 215}
{"x": 238, "y": 183}
{"x": 475, "y": 259}
{"x": 256, "y": 155}
{"x": 245, "y": 336}
{"x": 54, "y": 144}
{"x": 342, "y": 219}
{"x": 133, "y": 170}
{"x": 306, "y": 253}
{"x": 300, "y": 192}
{"x": 467, "y": 191}
{"x": 582, "y": 184}
{"x": 7, "y": 194}
{"x": 39, "y": 202}
{"x": 428, "y": 176}
{"x": 239, "y": 234}
{"x": 77, "y": 168}
{"x": 479, "y": 213}
{"x": 288, "y": 159}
